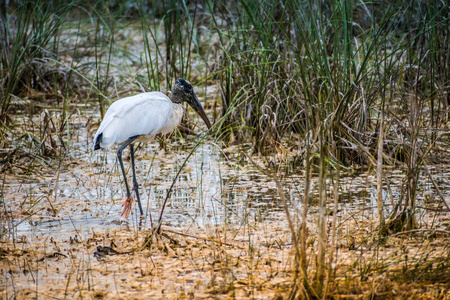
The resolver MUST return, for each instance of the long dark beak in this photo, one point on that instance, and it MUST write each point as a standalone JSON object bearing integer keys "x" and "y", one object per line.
{"x": 195, "y": 104}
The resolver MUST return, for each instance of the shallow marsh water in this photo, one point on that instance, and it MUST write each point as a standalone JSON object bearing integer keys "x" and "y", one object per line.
{"x": 57, "y": 221}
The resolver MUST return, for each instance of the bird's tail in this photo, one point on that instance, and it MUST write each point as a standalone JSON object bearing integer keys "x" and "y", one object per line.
{"x": 98, "y": 140}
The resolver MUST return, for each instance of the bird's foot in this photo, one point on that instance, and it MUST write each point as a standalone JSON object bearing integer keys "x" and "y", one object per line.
{"x": 127, "y": 204}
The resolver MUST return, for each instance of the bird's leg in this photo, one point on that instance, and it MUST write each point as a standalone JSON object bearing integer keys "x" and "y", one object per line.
{"x": 119, "y": 156}
{"x": 129, "y": 201}
{"x": 135, "y": 184}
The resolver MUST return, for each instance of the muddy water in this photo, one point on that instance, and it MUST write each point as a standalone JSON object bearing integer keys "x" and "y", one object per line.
{"x": 88, "y": 194}
{"x": 210, "y": 192}
{"x": 58, "y": 218}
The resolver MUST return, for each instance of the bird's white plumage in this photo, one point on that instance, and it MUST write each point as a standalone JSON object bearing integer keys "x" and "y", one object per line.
{"x": 146, "y": 114}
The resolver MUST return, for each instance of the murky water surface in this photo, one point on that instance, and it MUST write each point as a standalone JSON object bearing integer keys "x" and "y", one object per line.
{"x": 211, "y": 191}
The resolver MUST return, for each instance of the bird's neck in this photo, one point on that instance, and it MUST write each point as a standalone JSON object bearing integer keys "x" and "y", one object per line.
{"x": 177, "y": 95}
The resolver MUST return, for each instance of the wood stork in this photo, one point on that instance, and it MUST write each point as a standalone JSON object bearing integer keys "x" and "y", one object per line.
{"x": 140, "y": 118}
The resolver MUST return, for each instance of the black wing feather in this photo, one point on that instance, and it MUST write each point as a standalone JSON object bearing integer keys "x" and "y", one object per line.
{"x": 98, "y": 141}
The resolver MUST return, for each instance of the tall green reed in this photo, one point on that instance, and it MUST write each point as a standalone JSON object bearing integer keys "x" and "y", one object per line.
{"x": 29, "y": 35}
{"x": 292, "y": 55}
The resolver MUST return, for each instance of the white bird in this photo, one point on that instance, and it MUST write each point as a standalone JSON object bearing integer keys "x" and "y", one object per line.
{"x": 140, "y": 118}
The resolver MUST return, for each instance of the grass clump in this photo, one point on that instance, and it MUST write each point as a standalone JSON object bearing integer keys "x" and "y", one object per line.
{"x": 30, "y": 36}
{"x": 301, "y": 65}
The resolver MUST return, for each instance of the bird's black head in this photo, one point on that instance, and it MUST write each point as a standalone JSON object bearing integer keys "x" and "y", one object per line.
{"x": 183, "y": 91}
{"x": 185, "y": 84}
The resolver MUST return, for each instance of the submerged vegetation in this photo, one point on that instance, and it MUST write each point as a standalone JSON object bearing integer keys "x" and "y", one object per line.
{"x": 322, "y": 89}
